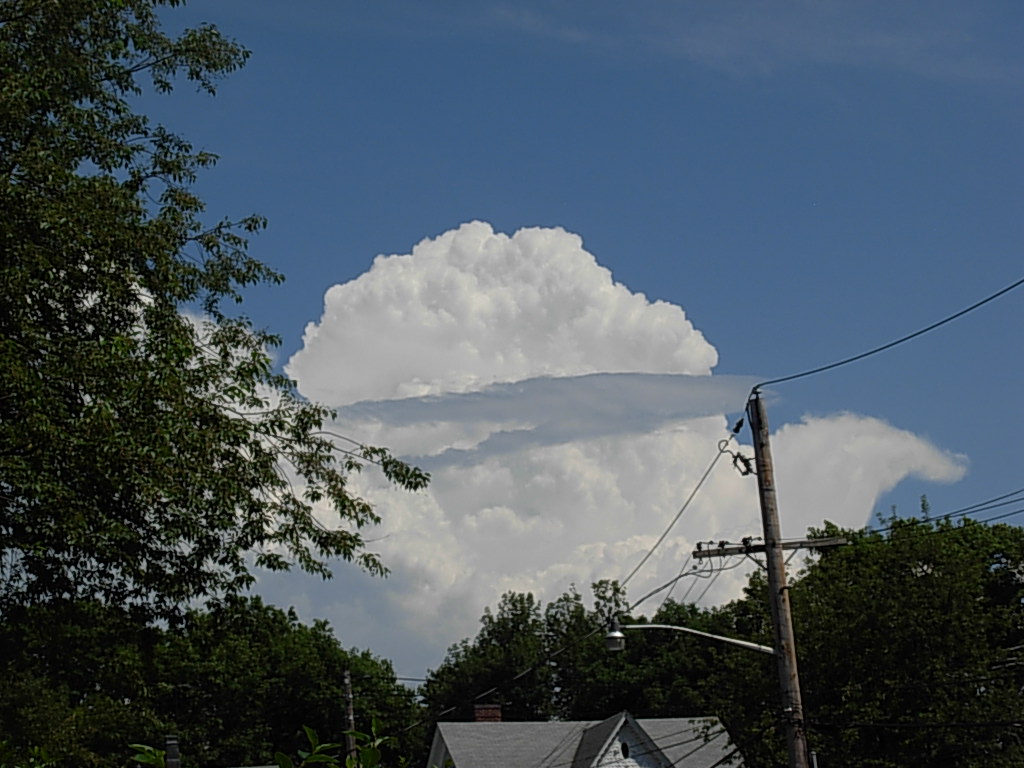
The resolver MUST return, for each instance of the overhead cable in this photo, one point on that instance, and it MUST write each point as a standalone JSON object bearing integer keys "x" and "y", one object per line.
{"x": 672, "y": 584}
{"x": 982, "y": 506}
{"x": 723, "y": 448}
{"x": 891, "y": 344}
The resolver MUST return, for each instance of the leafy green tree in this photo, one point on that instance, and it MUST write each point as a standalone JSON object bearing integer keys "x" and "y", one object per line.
{"x": 242, "y": 679}
{"x": 737, "y": 686}
{"x": 493, "y": 667}
{"x": 574, "y": 638}
{"x": 236, "y": 680}
{"x": 550, "y": 662}
{"x": 76, "y": 683}
{"x": 909, "y": 643}
{"x": 143, "y": 453}
{"x": 149, "y": 455}
{"x": 590, "y": 683}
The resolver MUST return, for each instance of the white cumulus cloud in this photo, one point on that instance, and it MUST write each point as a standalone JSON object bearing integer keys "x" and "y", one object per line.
{"x": 564, "y": 420}
{"x": 474, "y": 307}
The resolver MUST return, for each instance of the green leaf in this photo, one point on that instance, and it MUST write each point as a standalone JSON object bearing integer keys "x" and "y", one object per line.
{"x": 311, "y": 736}
{"x": 321, "y": 758}
{"x": 328, "y": 746}
{"x": 369, "y": 757}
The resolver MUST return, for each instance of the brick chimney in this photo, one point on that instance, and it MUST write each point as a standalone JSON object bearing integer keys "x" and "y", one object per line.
{"x": 487, "y": 713}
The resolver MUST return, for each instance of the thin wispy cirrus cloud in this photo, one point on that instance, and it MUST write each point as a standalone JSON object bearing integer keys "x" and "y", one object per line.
{"x": 564, "y": 419}
{"x": 742, "y": 38}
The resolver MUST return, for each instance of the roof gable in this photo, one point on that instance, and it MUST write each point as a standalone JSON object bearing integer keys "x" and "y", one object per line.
{"x": 630, "y": 746}
{"x": 595, "y": 740}
{"x": 618, "y": 742}
{"x": 654, "y": 743}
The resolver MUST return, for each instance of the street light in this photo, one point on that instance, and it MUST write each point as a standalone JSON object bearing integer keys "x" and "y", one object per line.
{"x": 615, "y": 640}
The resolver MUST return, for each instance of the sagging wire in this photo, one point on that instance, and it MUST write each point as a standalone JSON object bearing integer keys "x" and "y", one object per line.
{"x": 672, "y": 584}
{"x": 723, "y": 446}
{"x": 891, "y": 344}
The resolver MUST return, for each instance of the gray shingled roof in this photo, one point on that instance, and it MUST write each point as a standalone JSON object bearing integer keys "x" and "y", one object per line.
{"x": 504, "y": 745}
{"x": 686, "y": 742}
{"x": 594, "y": 740}
{"x": 692, "y": 742}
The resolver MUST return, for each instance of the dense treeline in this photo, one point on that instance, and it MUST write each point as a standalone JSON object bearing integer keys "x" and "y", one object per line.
{"x": 910, "y": 644}
{"x": 236, "y": 681}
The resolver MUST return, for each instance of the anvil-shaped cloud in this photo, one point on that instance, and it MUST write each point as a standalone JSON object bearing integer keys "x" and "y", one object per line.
{"x": 564, "y": 420}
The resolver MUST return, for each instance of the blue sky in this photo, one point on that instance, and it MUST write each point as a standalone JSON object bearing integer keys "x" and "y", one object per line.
{"x": 804, "y": 180}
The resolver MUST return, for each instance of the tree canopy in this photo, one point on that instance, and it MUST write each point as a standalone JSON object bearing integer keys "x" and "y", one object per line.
{"x": 910, "y": 645}
{"x": 149, "y": 453}
{"x": 236, "y": 681}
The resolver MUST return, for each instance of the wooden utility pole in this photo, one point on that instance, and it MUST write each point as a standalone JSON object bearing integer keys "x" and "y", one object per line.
{"x": 778, "y": 589}
{"x": 350, "y": 717}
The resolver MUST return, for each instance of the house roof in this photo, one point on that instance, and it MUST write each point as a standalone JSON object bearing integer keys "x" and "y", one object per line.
{"x": 684, "y": 742}
{"x": 595, "y": 739}
{"x": 502, "y": 745}
{"x": 692, "y": 742}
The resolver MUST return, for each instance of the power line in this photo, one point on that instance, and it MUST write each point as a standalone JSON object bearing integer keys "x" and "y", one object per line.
{"x": 559, "y": 745}
{"x": 713, "y": 577}
{"x": 385, "y": 677}
{"x": 711, "y": 583}
{"x": 992, "y": 519}
{"x": 710, "y": 573}
{"x": 891, "y": 344}
{"x": 990, "y": 682}
{"x": 727, "y": 759}
{"x": 667, "y": 585}
{"x": 354, "y": 454}
{"x": 991, "y": 503}
{"x": 672, "y": 584}
{"x": 934, "y": 531}
{"x": 981, "y": 506}
{"x": 689, "y": 589}
{"x": 1002, "y": 517}
{"x": 523, "y": 673}
{"x": 723, "y": 448}
{"x": 981, "y": 724}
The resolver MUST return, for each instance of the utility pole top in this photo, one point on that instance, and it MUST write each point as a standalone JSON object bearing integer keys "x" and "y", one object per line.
{"x": 726, "y": 549}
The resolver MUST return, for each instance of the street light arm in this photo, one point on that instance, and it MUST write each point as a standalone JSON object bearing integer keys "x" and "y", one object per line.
{"x": 731, "y": 641}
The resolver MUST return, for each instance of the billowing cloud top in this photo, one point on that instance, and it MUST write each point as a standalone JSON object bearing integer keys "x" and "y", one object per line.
{"x": 564, "y": 419}
{"x": 474, "y": 307}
